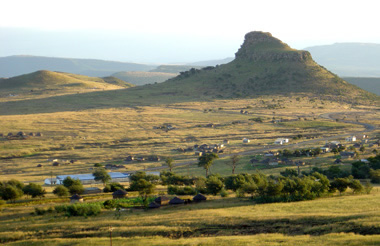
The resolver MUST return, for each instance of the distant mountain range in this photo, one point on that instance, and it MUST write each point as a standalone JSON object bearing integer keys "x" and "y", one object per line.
{"x": 17, "y": 65}
{"x": 349, "y": 59}
{"x": 263, "y": 66}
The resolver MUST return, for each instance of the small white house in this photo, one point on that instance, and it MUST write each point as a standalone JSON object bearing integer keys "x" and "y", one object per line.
{"x": 351, "y": 139}
{"x": 246, "y": 140}
{"x": 281, "y": 141}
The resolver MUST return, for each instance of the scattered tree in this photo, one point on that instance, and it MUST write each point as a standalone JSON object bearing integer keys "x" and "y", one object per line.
{"x": 76, "y": 189}
{"x": 234, "y": 162}
{"x": 144, "y": 188}
{"x": 214, "y": 185}
{"x": 169, "y": 162}
{"x": 34, "y": 190}
{"x": 11, "y": 193}
{"x": 61, "y": 191}
{"x": 101, "y": 174}
{"x": 206, "y": 161}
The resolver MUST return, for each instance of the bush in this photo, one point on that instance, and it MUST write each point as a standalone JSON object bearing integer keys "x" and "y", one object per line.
{"x": 214, "y": 185}
{"x": 41, "y": 211}
{"x": 183, "y": 190}
{"x": 375, "y": 176}
{"x": 109, "y": 204}
{"x": 79, "y": 209}
{"x": 34, "y": 190}
{"x": 112, "y": 187}
{"x": 223, "y": 193}
{"x": 61, "y": 191}
{"x": 76, "y": 189}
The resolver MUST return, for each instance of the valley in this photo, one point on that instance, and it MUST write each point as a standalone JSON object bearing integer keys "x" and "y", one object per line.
{"x": 284, "y": 151}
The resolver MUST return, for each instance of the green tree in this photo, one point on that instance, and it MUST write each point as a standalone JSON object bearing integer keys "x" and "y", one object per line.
{"x": 234, "y": 162}
{"x": 375, "y": 176}
{"x": 68, "y": 182}
{"x": 340, "y": 184}
{"x": 144, "y": 187}
{"x": 15, "y": 183}
{"x": 206, "y": 161}
{"x": 11, "y": 193}
{"x": 34, "y": 190}
{"x": 250, "y": 188}
{"x": 288, "y": 172}
{"x": 76, "y": 189}
{"x": 101, "y": 174}
{"x": 356, "y": 186}
{"x": 362, "y": 149}
{"x": 61, "y": 191}
{"x": 214, "y": 185}
{"x": 112, "y": 187}
{"x": 360, "y": 170}
{"x": 169, "y": 162}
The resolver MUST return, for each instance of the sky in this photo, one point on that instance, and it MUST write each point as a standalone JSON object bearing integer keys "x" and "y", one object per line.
{"x": 174, "y": 31}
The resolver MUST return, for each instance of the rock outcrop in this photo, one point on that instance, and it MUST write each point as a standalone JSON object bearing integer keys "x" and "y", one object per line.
{"x": 262, "y": 46}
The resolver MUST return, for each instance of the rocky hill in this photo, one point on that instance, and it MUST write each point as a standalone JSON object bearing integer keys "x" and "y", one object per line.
{"x": 263, "y": 65}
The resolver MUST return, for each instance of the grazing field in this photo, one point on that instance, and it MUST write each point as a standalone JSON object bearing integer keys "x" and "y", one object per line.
{"x": 337, "y": 220}
{"x": 108, "y": 136}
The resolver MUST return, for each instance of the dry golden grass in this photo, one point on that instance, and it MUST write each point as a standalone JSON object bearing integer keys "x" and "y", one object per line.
{"x": 109, "y": 135}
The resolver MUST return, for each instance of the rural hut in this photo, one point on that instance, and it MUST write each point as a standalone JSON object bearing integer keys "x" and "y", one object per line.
{"x": 39, "y": 165}
{"x": 162, "y": 200}
{"x": 39, "y": 134}
{"x": 32, "y": 134}
{"x": 76, "y": 198}
{"x": 153, "y": 205}
{"x": 199, "y": 198}
{"x": 119, "y": 194}
{"x": 176, "y": 201}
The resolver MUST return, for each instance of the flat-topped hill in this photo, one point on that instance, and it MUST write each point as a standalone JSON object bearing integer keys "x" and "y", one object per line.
{"x": 264, "y": 65}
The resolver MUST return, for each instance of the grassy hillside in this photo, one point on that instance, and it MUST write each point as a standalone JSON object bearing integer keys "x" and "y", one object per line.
{"x": 338, "y": 220}
{"x": 48, "y": 83}
{"x": 369, "y": 84}
{"x": 17, "y": 65}
{"x": 142, "y": 78}
{"x": 264, "y": 66}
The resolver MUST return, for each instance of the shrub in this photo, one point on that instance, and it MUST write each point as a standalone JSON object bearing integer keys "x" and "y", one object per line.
{"x": 183, "y": 190}
{"x": 34, "y": 190}
{"x": 109, "y": 204}
{"x": 76, "y": 189}
{"x": 112, "y": 187}
{"x": 61, "y": 191}
{"x": 79, "y": 209}
{"x": 223, "y": 193}
{"x": 375, "y": 176}
{"x": 214, "y": 185}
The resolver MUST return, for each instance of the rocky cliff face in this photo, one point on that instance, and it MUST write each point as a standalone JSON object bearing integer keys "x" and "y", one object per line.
{"x": 262, "y": 46}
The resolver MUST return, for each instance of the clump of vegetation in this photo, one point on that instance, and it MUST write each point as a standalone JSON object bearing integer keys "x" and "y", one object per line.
{"x": 79, "y": 209}
{"x": 73, "y": 185}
